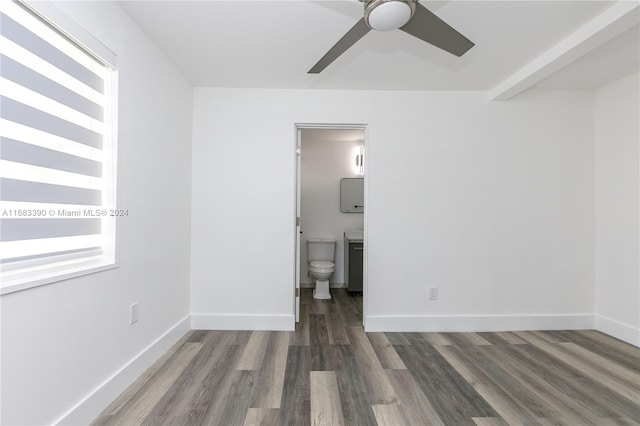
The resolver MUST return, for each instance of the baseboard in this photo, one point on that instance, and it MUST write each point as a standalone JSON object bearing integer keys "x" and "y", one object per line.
{"x": 618, "y": 330}
{"x": 447, "y": 323}
{"x": 242, "y": 322}
{"x": 100, "y": 398}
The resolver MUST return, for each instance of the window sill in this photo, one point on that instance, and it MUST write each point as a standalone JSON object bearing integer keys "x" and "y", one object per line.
{"x": 28, "y": 280}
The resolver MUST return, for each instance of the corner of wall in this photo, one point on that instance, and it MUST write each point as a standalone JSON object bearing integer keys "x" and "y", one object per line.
{"x": 617, "y": 208}
{"x": 618, "y": 330}
{"x": 85, "y": 411}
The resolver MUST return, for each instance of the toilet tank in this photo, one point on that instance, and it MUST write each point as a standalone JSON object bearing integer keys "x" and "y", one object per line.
{"x": 321, "y": 249}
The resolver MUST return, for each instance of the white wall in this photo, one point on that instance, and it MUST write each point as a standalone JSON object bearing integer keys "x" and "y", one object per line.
{"x": 491, "y": 202}
{"x": 617, "y": 187}
{"x": 62, "y": 341}
{"x": 324, "y": 162}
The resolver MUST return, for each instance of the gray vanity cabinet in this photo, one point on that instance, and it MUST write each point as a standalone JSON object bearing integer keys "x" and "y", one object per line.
{"x": 353, "y": 251}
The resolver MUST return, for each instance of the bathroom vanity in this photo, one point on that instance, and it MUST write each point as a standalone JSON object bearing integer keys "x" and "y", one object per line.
{"x": 353, "y": 251}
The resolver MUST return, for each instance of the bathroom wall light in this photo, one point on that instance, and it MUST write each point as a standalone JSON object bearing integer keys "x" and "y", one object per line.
{"x": 360, "y": 160}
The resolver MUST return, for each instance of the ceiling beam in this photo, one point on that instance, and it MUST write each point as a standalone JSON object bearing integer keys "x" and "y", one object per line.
{"x": 611, "y": 23}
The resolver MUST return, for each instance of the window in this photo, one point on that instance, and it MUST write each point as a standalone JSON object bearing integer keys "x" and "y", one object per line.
{"x": 57, "y": 148}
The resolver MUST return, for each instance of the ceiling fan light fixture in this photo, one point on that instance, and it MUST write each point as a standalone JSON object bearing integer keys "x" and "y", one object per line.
{"x": 407, "y": 15}
{"x": 387, "y": 15}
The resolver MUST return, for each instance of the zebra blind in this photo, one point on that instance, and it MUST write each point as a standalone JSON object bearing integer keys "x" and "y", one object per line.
{"x": 55, "y": 136}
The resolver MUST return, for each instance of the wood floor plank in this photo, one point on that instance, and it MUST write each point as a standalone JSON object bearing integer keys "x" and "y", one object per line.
{"x": 622, "y": 373}
{"x": 238, "y": 337}
{"x": 556, "y": 391}
{"x": 296, "y": 401}
{"x": 626, "y": 421}
{"x": 350, "y": 307}
{"x": 436, "y": 338}
{"x": 547, "y": 336}
{"x": 493, "y": 338}
{"x": 600, "y": 421}
{"x": 397, "y": 339}
{"x": 355, "y": 394}
{"x": 254, "y": 351}
{"x": 476, "y": 339}
{"x": 262, "y": 417}
{"x": 321, "y": 353}
{"x": 520, "y": 386}
{"x": 553, "y": 421}
{"x": 453, "y": 398}
{"x": 627, "y": 359}
{"x": 320, "y": 306}
{"x": 196, "y": 336}
{"x": 505, "y": 405}
{"x": 504, "y": 379}
{"x": 490, "y": 421}
{"x": 601, "y": 373}
{"x": 237, "y": 399}
{"x": 326, "y": 408}
{"x": 391, "y": 415}
{"x": 511, "y": 338}
{"x": 300, "y": 336}
{"x": 182, "y": 391}
{"x": 558, "y": 335}
{"x": 611, "y": 342}
{"x": 438, "y": 398}
{"x": 388, "y": 356}
{"x": 369, "y": 364}
{"x": 272, "y": 371}
{"x": 206, "y": 395}
{"x": 467, "y": 339}
{"x": 161, "y": 382}
{"x": 336, "y": 327}
{"x": 416, "y": 405}
{"x": 581, "y": 389}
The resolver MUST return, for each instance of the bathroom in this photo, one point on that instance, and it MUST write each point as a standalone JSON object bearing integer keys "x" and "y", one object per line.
{"x": 331, "y": 204}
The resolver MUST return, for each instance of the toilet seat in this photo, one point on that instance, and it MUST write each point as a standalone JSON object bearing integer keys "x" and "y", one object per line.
{"x": 322, "y": 264}
{"x": 321, "y": 267}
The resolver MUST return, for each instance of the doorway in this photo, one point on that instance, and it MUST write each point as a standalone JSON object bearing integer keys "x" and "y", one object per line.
{"x": 327, "y": 154}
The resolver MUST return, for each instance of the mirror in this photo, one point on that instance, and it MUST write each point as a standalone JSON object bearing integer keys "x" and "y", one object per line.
{"x": 352, "y": 195}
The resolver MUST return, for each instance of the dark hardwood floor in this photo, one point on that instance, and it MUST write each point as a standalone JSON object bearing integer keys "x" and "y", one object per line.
{"x": 329, "y": 371}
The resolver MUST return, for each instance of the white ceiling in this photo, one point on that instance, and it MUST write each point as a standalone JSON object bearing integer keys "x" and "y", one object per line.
{"x": 615, "y": 59}
{"x": 272, "y": 44}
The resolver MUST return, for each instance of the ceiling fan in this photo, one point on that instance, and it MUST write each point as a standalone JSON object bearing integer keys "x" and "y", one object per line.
{"x": 407, "y": 15}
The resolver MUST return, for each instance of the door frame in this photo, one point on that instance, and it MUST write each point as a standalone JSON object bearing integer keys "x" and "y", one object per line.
{"x": 297, "y": 152}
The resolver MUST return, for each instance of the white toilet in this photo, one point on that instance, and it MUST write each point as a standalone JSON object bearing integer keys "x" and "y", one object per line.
{"x": 320, "y": 255}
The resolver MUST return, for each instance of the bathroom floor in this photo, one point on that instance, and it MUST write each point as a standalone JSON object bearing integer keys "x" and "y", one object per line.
{"x": 336, "y": 315}
{"x": 329, "y": 371}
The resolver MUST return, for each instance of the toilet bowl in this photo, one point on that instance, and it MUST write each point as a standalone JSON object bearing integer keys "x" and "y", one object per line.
{"x": 321, "y": 271}
{"x": 321, "y": 255}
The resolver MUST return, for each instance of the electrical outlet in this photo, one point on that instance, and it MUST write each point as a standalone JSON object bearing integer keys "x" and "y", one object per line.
{"x": 133, "y": 313}
{"x": 433, "y": 293}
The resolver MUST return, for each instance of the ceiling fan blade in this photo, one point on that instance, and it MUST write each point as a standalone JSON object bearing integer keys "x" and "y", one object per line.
{"x": 428, "y": 27}
{"x": 349, "y": 39}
